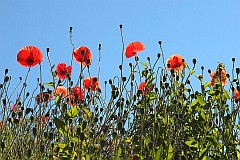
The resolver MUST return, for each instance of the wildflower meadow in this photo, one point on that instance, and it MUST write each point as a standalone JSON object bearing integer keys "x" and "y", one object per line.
{"x": 151, "y": 112}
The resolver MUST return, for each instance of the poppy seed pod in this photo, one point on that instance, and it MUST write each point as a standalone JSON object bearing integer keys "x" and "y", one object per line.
{"x": 202, "y": 67}
{"x": 158, "y": 55}
{"x": 70, "y": 28}
{"x": 99, "y": 46}
{"x": 194, "y": 61}
{"x": 120, "y": 26}
{"x": 233, "y": 59}
{"x": 160, "y": 42}
{"x": 48, "y": 49}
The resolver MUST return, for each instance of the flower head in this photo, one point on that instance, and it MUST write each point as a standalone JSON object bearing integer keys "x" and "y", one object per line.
{"x": 83, "y": 56}
{"x": 142, "y": 86}
{"x": 43, "y": 97}
{"x": 29, "y": 56}
{"x": 60, "y": 90}
{"x": 76, "y": 95}
{"x": 133, "y": 48}
{"x": 216, "y": 77}
{"x": 63, "y": 71}
{"x": 91, "y": 83}
{"x": 175, "y": 62}
{"x": 236, "y": 94}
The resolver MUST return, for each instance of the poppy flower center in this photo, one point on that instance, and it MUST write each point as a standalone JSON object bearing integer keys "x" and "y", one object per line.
{"x": 30, "y": 61}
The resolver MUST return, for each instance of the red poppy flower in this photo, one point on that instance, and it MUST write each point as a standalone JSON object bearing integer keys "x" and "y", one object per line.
{"x": 63, "y": 71}
{"x": 83, "y": 56}
{"x": 45, "y": 119}
{"x": 142, "y": 87}
{"x": 43, "y": 97}
{"x": 91, "y": 83}
{"x": 133, "y": 48}
{"x": 236, "y": 94}
{"x": 215, "y": 78}
{"x": 61, "y": 90}
{"x": 76, "y": 95}
{"x": 175, "y": 62}
{"x": 29, "y": 56}
{"x": 15, "y": 108}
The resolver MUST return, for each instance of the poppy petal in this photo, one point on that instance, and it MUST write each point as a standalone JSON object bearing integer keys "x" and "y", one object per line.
{"x": 133, "y": 48}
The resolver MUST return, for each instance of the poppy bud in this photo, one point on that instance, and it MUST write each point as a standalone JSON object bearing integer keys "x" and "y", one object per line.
{"x": 4, "y": 102}
{"x": 148, "y": 58}
{"x": 99, "y": 46}
{"x": 6, "y": 79}
{"x": 120, "y": 67}
{"x": 71, "y": 28}
{"x": 48, "y": 50}
{"x": 202, "y": 68}
{"x": 88, "y": 61}
{"x": 130, "y": 64}
{"x": 194, "y": 61}
{"x": 227, "y": 75}
{"x": 82, "y": 52}
{"x": 177, "y": 78}
{"x": 1, "y": 85}
{"x": 168, "y": 65}
{"x": 6, "y": 71}
{"x": 136, "y": 58}
{"x": 124, "y": 79}
{"x": 237, "y": 70}
{"x": 158, "y": 55}
{"x": 209, "y": 71}
{"x": 160, "y": 42}
{"x": 233, "y": 59}
{"x": 110, "y": 81}
{"x": 120, "y": 26}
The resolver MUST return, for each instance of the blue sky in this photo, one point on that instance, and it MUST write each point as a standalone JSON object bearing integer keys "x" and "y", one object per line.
{"x": 206, "y": 30}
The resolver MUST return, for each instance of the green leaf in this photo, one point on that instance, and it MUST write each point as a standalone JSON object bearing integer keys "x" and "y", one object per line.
{"x": 119, "y": 153}
{"x": 192, "y": 71}
{"x": 61, "y": 126}
{"x": 207, "y": 84}
{"x": 87, "y": 112}
{"x": 192, "y": 143}
{"x": 201, "y": 101}
{"x": 144, "y": 64}
{"x": 170, "y": 152}
{"x": 73, "y": 112}
{"x": 51, "y": 84}
{"x": 58, "y": 100}
{"x": 226, "y": 94}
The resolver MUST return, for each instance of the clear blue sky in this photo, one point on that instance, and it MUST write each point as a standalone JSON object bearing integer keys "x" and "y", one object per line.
{"x": 208, "y": 30}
